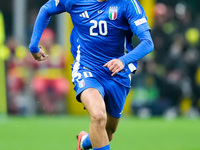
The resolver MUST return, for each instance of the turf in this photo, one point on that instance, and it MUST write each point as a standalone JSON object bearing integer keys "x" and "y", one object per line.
{"x": 59, "y": 133}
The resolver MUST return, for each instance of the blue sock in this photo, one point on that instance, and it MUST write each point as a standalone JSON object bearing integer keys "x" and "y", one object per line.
{"x": 87, "y": 143}
{"x": 107, "y": 147}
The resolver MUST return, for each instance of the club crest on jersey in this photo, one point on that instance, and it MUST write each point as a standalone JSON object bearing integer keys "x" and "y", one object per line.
{"x": 113, "y": 12}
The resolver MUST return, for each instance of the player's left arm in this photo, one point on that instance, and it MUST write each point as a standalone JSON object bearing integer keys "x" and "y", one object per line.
{"x": 139, "y": 26}
{"x": 137, "y": 20}
{"x": 145, "y": 46}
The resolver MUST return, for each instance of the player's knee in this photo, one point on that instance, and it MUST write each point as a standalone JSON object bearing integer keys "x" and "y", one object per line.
{"x": 98, "y": 118}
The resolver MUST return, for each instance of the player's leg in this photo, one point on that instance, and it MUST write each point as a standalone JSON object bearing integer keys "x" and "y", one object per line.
{"x": 115, "y": 97}
{"x": 90, "y": 92}
{"x": 111, "y": 126}
{"x": 94, "y": 103}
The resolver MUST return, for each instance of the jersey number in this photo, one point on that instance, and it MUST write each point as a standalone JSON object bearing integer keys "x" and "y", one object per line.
{"x": 86, "y": 75}
{"x": 103, "y": 29}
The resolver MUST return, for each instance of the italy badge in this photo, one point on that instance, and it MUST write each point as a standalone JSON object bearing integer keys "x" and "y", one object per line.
{"x": 81, "y": 83}
{"x": 113, "y": 13}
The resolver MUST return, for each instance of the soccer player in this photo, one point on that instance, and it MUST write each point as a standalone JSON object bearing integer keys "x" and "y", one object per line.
{"x": 101, "y": 69}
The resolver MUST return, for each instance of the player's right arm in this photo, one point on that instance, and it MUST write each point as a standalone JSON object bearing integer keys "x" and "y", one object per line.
{"x": 52, "y": 7}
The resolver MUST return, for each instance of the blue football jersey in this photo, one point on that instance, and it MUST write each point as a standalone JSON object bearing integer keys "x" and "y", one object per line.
{"x": 99, "y": 30}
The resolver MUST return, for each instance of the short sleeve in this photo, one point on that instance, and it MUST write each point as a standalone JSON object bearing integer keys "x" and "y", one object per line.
{"x": 136, "y": 17}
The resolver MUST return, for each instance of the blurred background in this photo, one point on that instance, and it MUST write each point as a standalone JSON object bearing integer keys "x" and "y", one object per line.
{"x": 38, "y": 109}
{"x": 167, "y": 82}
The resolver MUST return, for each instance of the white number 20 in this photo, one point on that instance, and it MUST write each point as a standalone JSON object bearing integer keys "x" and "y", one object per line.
{"x": 103, "y": 29}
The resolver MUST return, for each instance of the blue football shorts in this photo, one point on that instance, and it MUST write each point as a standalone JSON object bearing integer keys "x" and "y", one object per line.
{"x": 113, "y": 92}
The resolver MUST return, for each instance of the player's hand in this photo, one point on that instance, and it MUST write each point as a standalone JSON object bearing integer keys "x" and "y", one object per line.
{"x": 114, "y": 65}
{"x": 40, "y": 56}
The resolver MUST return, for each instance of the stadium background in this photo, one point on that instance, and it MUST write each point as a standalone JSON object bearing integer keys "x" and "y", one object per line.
{"x": 38, "y": 109}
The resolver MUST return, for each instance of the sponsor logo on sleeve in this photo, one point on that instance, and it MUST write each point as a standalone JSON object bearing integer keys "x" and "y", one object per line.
{"x": 140, "y": 21}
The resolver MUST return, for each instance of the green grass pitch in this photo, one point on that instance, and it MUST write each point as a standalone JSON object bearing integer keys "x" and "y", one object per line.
{"x": 59, "y": 133}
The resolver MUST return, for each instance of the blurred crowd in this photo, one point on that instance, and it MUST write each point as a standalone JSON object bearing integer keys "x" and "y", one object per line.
{"x": 35, "y": 87}
{"x": 168, "y": 80}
